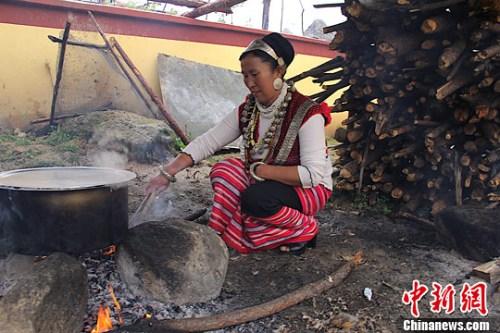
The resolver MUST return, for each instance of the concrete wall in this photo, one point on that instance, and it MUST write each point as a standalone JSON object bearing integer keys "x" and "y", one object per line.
{"x": 91, "y": 80}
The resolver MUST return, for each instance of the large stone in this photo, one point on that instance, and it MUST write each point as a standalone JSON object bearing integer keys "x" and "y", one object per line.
{"x": 116, "y": 137}
{"x": 199, "y": 95}
{"x": 51, "y": 298}
{"x": 173, "y": 261}
{"x": 473, "y": 232}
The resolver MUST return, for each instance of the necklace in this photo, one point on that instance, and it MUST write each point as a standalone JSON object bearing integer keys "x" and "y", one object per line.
{"x": 250, "y": 117}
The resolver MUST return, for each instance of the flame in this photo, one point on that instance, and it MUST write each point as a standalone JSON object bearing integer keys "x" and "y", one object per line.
{"x": 110, "y": 250}
{"x": 117, "y": 304}
{"x": 104, "y": 323}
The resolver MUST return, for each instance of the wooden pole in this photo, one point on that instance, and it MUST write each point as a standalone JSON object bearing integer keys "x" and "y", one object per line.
{"x": 166, "y": 113}
{"x": 122, "y": 67}
{"x": 171, "y": 121}
{"x": 221, "y": 5}
{"x": 265, "y": 14}
{"x": 60, "y": 65}
{"x": 184, "y": 3}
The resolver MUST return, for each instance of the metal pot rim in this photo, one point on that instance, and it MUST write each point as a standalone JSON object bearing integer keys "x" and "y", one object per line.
{"x": 109, "y": 177}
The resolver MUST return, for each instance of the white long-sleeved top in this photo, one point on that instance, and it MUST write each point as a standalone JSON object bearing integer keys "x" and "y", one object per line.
{"x": 315, "y": 165}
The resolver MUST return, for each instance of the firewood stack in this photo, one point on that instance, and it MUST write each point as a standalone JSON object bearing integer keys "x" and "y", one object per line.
{"x": 423, "y": 100}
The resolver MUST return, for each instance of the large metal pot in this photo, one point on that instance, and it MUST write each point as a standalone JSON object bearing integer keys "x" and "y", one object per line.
{"x": 63, "y": 209}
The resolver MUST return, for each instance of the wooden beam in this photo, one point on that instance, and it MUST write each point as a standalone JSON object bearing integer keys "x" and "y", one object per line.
{"x": 184, "y": 3}
{"x": 221, "y": 5}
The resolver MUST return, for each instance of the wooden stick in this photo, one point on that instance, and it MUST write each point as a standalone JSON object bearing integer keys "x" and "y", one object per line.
{"x": 184, "y": 3}
{"x": 330, "y": 64}
{"x": 363, "y": 165}
{"x": 458, "y": 181}
{"x": 60, "y": 65}
{"x": 212, "y": 7}
{"x": 171, "y": 121}
{"x": 163, "y": 108}
{"x": 488, "y": 52}
{"x": 436, "y": 5}
{"x": 329, "y": 5}
{"x": 237, "y": 317}
{"x": 408, "y": 216}
{"x": 122, "y": 67}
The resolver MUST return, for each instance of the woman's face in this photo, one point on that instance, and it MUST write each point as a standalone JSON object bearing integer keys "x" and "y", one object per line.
{"x": 259, "y": 77}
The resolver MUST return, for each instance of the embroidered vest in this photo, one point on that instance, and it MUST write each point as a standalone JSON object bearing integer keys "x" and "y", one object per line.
{"x": 286, "y": 147}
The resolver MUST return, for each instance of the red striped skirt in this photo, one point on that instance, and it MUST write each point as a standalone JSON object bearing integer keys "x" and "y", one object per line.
{"x": 247, "y": 234}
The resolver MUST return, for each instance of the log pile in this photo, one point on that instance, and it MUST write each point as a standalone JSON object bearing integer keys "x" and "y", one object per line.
{"x": 422, "y": 94}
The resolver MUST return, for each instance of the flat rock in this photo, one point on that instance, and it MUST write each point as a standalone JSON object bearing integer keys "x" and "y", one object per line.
{"x": 473, "y": 232}
{"x": 173, "y": 261}
{"x": 116, "y": 137}
{"x": 199, "y": 95}
{"x": 52, "y": 298}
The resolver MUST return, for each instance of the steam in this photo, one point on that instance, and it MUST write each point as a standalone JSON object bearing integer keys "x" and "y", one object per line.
{"x": 108, "y": 159}
{"x": 157, "y": 207}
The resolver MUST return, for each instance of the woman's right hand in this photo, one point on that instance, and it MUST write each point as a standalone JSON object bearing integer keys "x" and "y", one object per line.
{"x": 157, "y": 184}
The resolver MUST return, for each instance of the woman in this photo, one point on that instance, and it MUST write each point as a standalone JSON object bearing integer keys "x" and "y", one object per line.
{"x": 268, "y": 197}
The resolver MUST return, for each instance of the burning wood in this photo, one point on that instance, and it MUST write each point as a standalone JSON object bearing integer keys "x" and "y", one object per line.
{"x": 423, "y": 83}
{"x": 104, "y": 323}
{"x": 109, "y": 251}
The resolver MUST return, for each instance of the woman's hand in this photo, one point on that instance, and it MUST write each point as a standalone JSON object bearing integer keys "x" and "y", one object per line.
{"x": 157, "y": 184}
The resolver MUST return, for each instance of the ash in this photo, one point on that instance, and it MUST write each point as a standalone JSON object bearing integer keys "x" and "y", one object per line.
{"x": 102, "y": 273}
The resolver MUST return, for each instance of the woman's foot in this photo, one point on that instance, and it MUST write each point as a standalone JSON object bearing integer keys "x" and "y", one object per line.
{"x": 298, "y": 248}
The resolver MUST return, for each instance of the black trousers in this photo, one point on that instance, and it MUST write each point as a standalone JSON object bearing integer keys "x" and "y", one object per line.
{"x": 266, "y": 198}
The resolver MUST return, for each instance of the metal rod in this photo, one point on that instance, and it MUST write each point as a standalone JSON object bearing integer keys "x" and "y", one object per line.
{"x": 122, "y": 67}
{"x": 163, "y": 108}
{"x": 75, "y": 43}
{"x": 60, "y": 65}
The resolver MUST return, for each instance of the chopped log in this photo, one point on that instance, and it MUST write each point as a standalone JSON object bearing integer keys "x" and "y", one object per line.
{"x": 430, "y": 44}
{"x": 451, "y": 54}
{"x": 457, "y": 82}
{"x": 217, "y": 6}
{"x": 470, "y": 129}
{"x": 493, "y": 156}
{"x": 397, "y": 193}
{"x": 437, "y": 24}
{"x": 461, "y": 115}
{"x": 491, "y": 26}
{"x": 340, "y": 134}
{"x": 438, "y": 206}
{"x": 392, "y": 43}
{"x": 488, "y": 52}
{"x": 489, "y": 271}
{"x": 474, "y": 232}
{"x": 350, "y": 169}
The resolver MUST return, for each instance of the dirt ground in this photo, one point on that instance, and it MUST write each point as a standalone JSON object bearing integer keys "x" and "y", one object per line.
{"x": 395, "y": 253}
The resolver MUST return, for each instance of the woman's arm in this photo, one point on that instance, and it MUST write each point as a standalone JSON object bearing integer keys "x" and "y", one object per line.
{"x": 284, "y": 174}
{"x": 199, "y": 149}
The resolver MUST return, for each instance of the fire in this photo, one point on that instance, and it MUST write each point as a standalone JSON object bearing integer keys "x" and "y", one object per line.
{"x": 104, "y": 323}
{"x": 110, "y": 250}
{"x": 117, "y": 304}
